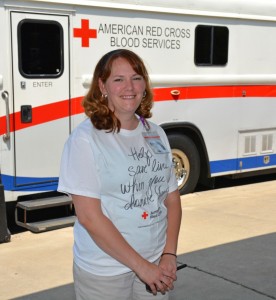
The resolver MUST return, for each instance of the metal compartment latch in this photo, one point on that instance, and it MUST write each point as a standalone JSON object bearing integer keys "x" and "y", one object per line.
{"x": 26, "y": 113}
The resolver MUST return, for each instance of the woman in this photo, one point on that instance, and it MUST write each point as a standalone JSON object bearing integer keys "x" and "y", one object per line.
{"x": 118, "y": 168}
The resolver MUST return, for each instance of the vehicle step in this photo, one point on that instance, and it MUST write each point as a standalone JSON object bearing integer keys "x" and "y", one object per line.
{"x": 44, "y": 203}
{"x": 46, "y": 225}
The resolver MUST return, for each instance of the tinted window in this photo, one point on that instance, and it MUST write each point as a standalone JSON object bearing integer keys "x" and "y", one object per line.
{"x": 40, "y": 48}
{"x": 211, "y": 45}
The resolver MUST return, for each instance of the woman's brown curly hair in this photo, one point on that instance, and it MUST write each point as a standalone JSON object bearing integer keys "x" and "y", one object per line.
{"x": 96, "y": 105}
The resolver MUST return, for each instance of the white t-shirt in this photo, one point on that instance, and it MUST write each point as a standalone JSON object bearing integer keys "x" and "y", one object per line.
{"x": 131, "y": 181}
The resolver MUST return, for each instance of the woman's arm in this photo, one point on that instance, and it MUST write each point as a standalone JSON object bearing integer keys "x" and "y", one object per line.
{"x": 111, "y": 241}
{"x": 174, "y": 215}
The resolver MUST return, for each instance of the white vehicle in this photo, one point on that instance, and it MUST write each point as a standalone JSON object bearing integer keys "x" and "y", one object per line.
{"x": 213, "y": 69}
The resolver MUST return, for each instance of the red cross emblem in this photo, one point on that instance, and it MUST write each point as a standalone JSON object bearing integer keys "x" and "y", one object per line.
{"x": 144, "y": 215}
{"x": 85, "y": 33}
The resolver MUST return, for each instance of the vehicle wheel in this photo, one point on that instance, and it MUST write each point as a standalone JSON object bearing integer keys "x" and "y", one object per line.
{"x": 186, "y": 162}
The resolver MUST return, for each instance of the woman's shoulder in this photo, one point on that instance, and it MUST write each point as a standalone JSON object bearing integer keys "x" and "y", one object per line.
{"x": 83, "y": 129}
{"x": 156, "y": 127}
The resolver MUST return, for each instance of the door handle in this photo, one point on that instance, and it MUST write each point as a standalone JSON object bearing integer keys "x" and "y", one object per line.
{"x": 7, "y": 135}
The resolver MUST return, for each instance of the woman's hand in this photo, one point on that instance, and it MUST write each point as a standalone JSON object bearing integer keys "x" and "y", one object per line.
{"x": 168, "y": 263}
{"x": 158, "y": 278}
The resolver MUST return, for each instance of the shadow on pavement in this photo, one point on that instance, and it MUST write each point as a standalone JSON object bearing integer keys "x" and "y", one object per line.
{"x": 240, "y": 270}
{"x": 65, "y": 292}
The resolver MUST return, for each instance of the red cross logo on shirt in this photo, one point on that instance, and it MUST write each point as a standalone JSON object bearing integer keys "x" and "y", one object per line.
{"x": 85, "y": 33}
{"x": 144, "y": 215}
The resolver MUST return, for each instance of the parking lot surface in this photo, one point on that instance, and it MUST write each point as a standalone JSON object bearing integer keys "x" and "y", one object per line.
{"x": 227, "y": 239}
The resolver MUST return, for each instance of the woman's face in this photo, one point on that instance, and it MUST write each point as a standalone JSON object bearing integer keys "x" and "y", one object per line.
{"x": 124, "y": 88}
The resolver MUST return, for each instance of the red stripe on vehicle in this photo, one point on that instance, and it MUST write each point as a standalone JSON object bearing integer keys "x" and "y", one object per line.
{"x": 65, "y": 108}
{"x": 43, "y": 114}
{"x": 206, "y": 92}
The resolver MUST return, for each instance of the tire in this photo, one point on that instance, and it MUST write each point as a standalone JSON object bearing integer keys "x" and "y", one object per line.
{"x": 186, "y": 162}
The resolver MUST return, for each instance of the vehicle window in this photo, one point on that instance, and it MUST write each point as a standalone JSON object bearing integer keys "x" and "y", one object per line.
{"x": 40, "y": 48}
{"x": 211, "y": 45}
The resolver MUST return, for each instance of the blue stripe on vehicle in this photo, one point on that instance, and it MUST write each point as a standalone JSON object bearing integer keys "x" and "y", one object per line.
{"x": 220, "y": 166}
{"x": 23, "y": 183}
{"x": 247, "y": 163}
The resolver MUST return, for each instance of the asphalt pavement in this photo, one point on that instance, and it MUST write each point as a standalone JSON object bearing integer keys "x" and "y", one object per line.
{"x": 227, "y": 240}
